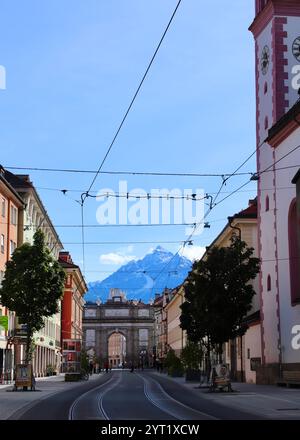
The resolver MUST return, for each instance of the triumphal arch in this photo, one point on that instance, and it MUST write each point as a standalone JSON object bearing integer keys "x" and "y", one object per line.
{"x": 119, "y": 331}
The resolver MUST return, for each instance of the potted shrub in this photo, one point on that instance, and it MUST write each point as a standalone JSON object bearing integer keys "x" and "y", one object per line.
{"x": 49, "y": 370}
{"x": 191, "y": 357}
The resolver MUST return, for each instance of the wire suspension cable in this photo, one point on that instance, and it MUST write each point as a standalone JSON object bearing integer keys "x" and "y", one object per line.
{"x": 133, "y": 99}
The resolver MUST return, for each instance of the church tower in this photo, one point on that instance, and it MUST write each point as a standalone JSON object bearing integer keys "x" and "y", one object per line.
{"x": 276, "y": 30}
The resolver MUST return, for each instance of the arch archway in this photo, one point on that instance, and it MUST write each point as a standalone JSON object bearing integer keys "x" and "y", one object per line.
{"x": 116, "y": 349}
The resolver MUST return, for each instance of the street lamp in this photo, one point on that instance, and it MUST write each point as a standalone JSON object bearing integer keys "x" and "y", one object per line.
{"x": 143, "y": 353}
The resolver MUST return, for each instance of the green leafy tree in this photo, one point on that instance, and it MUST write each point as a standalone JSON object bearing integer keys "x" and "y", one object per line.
{"x": 191, "y": 355}
{"x": 32, "y": 286}
{"x": 218, "y": 295}
{"x": 173, "y": 363}
{"x": 84, "y": 361}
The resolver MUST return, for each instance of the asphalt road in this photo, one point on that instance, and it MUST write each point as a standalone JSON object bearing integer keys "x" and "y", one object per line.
{"x": 122, "y": 395}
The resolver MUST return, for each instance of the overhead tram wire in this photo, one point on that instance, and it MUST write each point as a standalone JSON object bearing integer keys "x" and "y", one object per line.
{"x": 269, "y": 168}
{"x": 84, "y": 195}
{"x": 188, "y": 240}
{"x": 95, "y": 225}
{"x": 144, "y": 173}
{"x": 213, "y": 204}
{"x": 236, "y": 172}
{"x": 134, "y": 98}
{"x": 64, "y": 191}
{"x": 142, "y": 225}
{"x": 131, "y": 173}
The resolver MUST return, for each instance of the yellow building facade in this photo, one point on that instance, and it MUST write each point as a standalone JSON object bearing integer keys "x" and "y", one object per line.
{"x": 176, "y": 336}
{"x": 243, "y": 354}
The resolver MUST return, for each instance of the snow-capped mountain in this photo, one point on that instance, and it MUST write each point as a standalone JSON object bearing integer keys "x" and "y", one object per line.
{"x": 141, "y": 279}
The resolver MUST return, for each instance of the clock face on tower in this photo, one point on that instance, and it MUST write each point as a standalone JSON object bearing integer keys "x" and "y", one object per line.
{"x": 265, "y": 60}
{"x": 296, "y": 49}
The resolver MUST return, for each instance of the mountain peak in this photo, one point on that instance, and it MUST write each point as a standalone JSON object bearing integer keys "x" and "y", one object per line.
{"x": 160, "y": 249}
{"x": 141, "y": 279}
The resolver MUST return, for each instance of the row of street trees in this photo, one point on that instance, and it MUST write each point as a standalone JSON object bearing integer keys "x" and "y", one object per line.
{"x": 218, "y": 296}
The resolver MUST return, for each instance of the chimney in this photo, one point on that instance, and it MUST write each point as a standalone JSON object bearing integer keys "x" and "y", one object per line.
{"x": 24, "y": 177}
{"x": 65, "y": 256}
{"x": 252, "y": 202}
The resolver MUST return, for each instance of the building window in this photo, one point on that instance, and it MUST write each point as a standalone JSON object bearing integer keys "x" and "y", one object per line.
{"x": 13, "y": 215}
{"x": 294, "y": 253}
{"x": 1, "y": 277}
{"x": 269, "y": 284}
{"x": 266, "y": 88}
{"x": 2, "y": 244}
{"x": 3, "y": 207}
{"x": 12, "y": 247}
{"x": 267, "y": 203}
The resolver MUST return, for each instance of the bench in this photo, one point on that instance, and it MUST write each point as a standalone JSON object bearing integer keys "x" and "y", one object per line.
{"x": 289, "y": 378}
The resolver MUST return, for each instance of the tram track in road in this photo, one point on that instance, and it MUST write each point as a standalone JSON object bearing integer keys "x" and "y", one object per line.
{"x": 154, "y": 392}
{"x": 202, "y": 401}
{"x": 100, "y": 399}
{"x": 122, "y": 395}
{"x": 79, "y": 410}
{"x": 56, "y": 405}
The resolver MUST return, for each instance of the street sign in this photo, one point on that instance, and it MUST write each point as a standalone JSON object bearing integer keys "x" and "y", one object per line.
{"x": 20, "y": 333}
{"x": 4, "y": 322}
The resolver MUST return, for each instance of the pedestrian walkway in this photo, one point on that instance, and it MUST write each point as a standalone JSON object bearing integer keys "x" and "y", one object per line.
{"x": 11, "y": 402}
{"x": 58, "y": 378}
{"x": 269, "y": 401}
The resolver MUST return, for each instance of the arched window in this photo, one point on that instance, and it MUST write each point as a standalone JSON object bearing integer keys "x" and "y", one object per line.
{"x": 269, "y": 283}
{"x": 267, "y": 203}
{"x": 294, "y": 254}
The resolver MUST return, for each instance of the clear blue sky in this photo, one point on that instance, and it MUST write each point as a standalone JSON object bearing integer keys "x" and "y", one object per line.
{"x": 72, "y": 67}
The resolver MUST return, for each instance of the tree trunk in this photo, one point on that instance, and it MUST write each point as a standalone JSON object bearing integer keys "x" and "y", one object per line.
{"x": 28, "y": 346}
{"x": 208, "y": 368}
{"x": 28, "y": 350}
{"x": 220, "y": 353}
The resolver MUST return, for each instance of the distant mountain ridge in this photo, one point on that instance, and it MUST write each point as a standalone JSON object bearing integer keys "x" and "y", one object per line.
{"x": 141, "y": 279}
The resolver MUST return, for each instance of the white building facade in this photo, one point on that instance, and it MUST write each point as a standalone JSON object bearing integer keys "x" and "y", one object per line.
{"x": 276, "y": 30}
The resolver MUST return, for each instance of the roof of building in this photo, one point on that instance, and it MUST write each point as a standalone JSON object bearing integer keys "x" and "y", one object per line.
{"x": 18, "y": 181}
{"x": 250, "y": 212}
{"x": 67, "y": 265}
{"x": 158, "y": 300}
{"x": 21, "y": 183}
{"x": 70, "y": 265}
{"x": 8, "y": 184}
{"x": 292, "y": 116}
